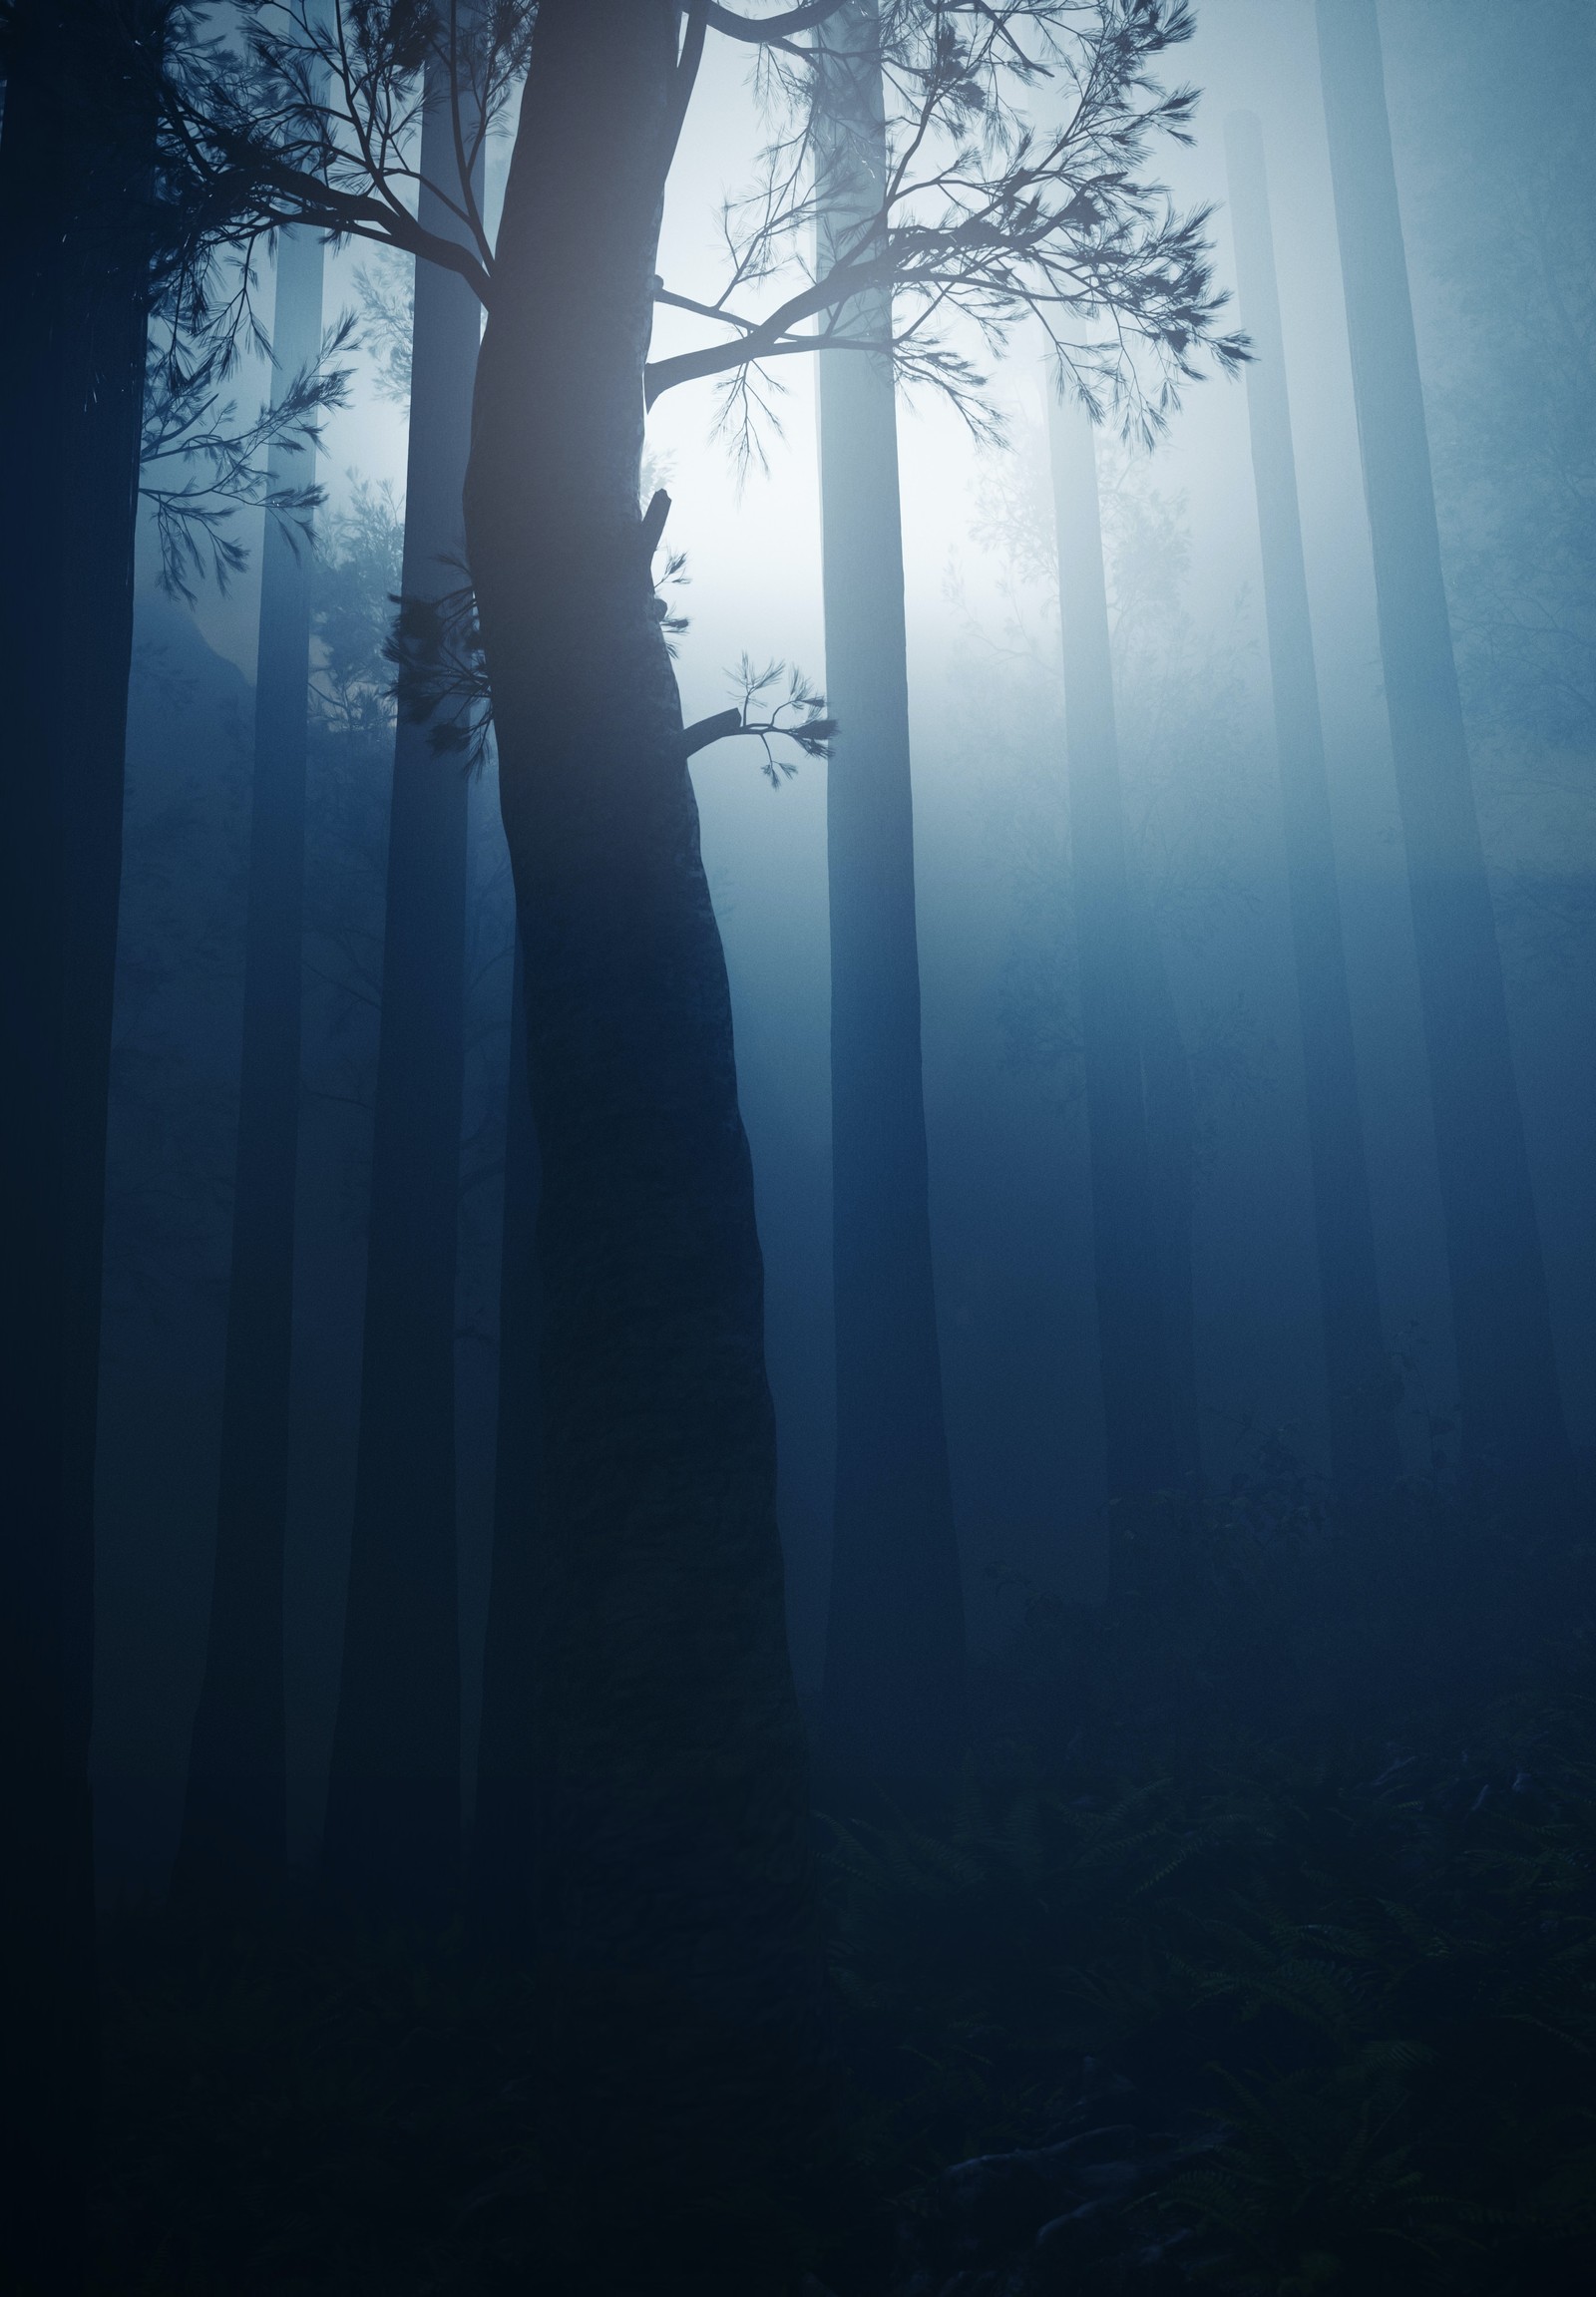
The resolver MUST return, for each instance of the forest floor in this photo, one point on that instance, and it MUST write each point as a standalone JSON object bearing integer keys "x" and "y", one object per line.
{"x": 1255, "y": 1951}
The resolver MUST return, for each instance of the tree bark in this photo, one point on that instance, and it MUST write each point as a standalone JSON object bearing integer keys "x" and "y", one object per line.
{"x": 392, "y": 1841}
{"x": 234, "y": 1834}
{"x": 675, "y": 1917}
{"x": 75, "y": 159}
{"x": 1510, "y": 1409}
{"x": 1363, "y": 1454}
{"x": 895, "y": 1652}
{"x": 503, "y": 1877}
{"x": 1138, "y": 1420}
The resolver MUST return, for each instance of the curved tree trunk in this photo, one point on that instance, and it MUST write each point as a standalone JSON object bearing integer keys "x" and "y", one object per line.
{"x": 895, "y": 1648}
{"x": 235, "y": 1831}
{"x": 392, "y": 1840}
{"x": 1511, "y": 1413}
{"x": 75, "y": 159}
{"x": 675, "y": 1917}
{"x": 1138, "y": 1423}
{"x": 1363, "y": 1454}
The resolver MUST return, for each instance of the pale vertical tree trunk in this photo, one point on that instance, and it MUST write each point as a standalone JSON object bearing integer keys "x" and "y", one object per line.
{"x": 236, "y": 1821}
{"x": 1365, "y": 1459}
{"x": 894, "y": 1679}
{"x": 1138, "y": 1423}
{"x": 1511, "y": 1413}
{"x": 393, "y": 1815}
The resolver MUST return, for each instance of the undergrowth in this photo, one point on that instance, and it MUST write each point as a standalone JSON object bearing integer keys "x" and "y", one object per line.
{"x": 1255, "y": 1951}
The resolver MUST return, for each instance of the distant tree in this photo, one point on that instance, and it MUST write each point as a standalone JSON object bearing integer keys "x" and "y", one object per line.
{"x": 895, "y": 1642}
{"x": 234, "y": 1834}
{"x": 392, "y": 1839}
{"x": 1510, "y": 1409}
{"x": 676, "y": 1929}
{"x": 1364, "y": 1459}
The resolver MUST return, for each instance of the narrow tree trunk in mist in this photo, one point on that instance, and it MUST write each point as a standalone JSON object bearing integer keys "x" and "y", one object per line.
{"x": 1171, "y": 1119}
{"x": 1138, "y": 1418}
{"x": 74, "y": 157}
{"x": 676, "y": 1940}
{"x": 1512, "y": 1413}
{"x": 234, "y": 1832}
{"x": 393, "y": 1815}
{"x": 504, "y": 1830}
{"x": 1364, "y": 1453}
{"x": 894, "y": 1649}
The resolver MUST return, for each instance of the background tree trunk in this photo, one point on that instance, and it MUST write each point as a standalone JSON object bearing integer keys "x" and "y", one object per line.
{"x": 894, "y": 1650}
{"x": 1511, "y": 1413}
{"x": 74, "y": 157}
{"x": 1364, "y": 1453}
{"x": 678, "y": 1944}
{"x": 235, "y": 1831}
{"x": 1171, "y": 1120}
{"x": 1138, "y": 1420}
{"x": 503, "y": 1878}
{"x": 393, "y": 1815}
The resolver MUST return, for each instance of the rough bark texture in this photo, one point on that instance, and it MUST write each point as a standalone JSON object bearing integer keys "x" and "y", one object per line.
{"x": 1365, "y": 1459}
{"x": 675, "y": 1918}
{"x": 1510, "y": 1409}
{"x": 235, "y": 1833}
{"x": 393, "y": 1815}
{"x": 1138, "y": 1421}
{"x": 74, "y": 160}
{"x": 894, "y": 1649}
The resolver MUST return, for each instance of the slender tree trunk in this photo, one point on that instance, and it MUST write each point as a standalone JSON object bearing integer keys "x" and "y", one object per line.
{"x": 1364, "y": 1453}
{"x": 74, "y": 156}
{"x": 505, "y": 1827}
{"x": 1511, "y": 1413}
{"x": 1138, "y": 1420}
{"x": 235, "y": 1833}
{"x": 894, "y": 1650}
{"x": 1172, "y": 1178}
{"x": 675, "y": 1917}
{"x": 393, "y": 1815}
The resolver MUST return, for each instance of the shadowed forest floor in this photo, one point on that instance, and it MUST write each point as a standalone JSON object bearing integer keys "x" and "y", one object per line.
{"x": 1255, "y": 1951}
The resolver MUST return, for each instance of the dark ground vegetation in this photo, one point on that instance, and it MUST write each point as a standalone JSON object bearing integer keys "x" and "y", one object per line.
{"x": 1255, "y": 1952}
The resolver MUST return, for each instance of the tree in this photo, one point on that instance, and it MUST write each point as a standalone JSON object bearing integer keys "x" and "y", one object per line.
{"x": 675, "y": 1924}
{"x": 1511, "y": 1413}
{"x": 503, "y": 1878}
{"x": 235, "y": 1818}
{"x": 392, "y": 1841}
{"x": 1364, "y": 1459}
{"x": 895, "y": 1644}
{"x": 1138, "y": 1410}
{"x": 76, "y": 156}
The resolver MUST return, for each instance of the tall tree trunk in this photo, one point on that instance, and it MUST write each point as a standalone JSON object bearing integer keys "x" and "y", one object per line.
{"x": 675, "y": 1919}
{"x": 894, "y": 1650}
{"x": 1510, "y": 1409}
{"x": 234, "y": 1832}
{"x": 75, "y": 157}
{"x": 1138, "y": 1420}
{"x": 1364, "y": 1452}
{"x": 1171, "y": 1119}
{"x": 393, "y": 1814}
{"x": 503, "y": 1895}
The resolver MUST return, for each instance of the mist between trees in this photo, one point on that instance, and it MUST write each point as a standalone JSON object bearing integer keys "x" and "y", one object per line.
{"x": 799, "y": 918}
